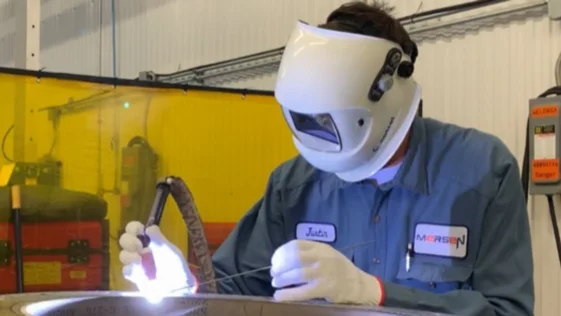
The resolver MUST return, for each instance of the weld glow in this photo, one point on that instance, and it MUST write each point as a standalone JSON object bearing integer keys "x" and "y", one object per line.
{"x": 40, "y": 308}
{"x": 167, "y": 276}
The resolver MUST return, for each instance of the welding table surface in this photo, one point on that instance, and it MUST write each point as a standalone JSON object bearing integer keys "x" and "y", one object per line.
{"x": 129, "y": 303}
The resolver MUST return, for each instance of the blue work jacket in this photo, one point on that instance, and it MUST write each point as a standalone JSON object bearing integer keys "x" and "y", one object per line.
{"x": 456, "y": 200}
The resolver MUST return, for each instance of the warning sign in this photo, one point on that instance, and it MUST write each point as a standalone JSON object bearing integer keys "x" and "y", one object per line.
{"x": 545, "y": 111}
{"x": 42, "y": 273}
{"x": 545, "y": 142}
{"x": 545, "y": 170}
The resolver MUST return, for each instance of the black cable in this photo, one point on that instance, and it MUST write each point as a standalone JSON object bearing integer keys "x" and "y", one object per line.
{"x": 525, "y": 178}
{"x": 4, "y": 143}
{"x": 555, "y": 225}
{"x": 5, "y": 138}
{"x": 140, "y": 141}
{"x": 447, "y": 10}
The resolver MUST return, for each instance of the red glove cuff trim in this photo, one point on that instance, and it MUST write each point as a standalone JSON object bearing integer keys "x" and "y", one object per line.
{"x": 192, "y": 267}
{"x": 382, "y": 292}
{"x": 196, "y": 286}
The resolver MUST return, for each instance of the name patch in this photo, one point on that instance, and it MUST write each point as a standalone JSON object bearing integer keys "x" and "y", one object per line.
{"x": 441, "y": 240}
{"x": 316, "y": 232}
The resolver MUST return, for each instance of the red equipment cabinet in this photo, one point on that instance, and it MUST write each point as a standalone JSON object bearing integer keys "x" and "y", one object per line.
{"x": 57, "y": 256}
{"x": 64, "y": 240}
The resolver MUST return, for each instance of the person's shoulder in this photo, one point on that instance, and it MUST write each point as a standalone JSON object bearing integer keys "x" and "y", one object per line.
{"x": 469, "y": 154}
{"x": 297, "y": 172}
{"x": 469, "y": 141}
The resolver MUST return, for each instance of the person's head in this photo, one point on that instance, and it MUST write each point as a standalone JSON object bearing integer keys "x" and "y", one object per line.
{"x": 346, "y": 89}
{"x": 375, "y": 16}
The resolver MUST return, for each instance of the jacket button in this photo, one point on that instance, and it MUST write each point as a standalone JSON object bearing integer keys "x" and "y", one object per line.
{"x": 376, "y": 260}
{"x": 432, "y": 285}
{"x": 376, "y": 219}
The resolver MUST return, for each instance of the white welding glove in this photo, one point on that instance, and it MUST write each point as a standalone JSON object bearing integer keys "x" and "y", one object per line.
{"x": 172, "y": 272}
{"x": 321, "y": 272}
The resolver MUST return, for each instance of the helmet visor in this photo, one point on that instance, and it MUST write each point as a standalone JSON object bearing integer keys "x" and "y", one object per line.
{"x": 317, "y": 131}
{"x": 316, "y": 125}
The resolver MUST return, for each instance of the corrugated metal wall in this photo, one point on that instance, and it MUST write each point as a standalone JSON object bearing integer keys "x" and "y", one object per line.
{"x": 484, "y": 80}
{"x": 76, "y": 35}
{"x": 481, "y": 79}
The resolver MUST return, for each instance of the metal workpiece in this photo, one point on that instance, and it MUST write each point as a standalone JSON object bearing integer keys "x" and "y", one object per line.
{"x": 129, "y": 303}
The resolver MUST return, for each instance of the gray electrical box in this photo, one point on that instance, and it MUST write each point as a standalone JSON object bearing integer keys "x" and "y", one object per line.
{"x": 554, "y": 8}
{"x": 544, "y": 146}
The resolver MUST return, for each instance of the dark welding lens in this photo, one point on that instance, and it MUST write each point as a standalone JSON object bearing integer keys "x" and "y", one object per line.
{"x": 317, "y": 125}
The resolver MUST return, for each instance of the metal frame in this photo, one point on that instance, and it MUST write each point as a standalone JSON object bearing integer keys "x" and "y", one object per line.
{"x": 217, "y": 74}
{"x": 26, "y": 52}
{"x": 267, "y": 63}
{"x": 486, "y": 17}
{"x": 28, "y": 23}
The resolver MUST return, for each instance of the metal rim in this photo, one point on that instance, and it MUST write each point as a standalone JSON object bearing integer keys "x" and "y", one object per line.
{"x": 131, "y": 303}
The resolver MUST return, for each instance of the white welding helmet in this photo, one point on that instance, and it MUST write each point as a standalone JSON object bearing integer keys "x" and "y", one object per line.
{"x": 348, "y": 108}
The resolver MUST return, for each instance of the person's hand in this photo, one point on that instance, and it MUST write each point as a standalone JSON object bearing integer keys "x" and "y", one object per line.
{"x": 172, "y": 272}
{"x": 318, "y": 271}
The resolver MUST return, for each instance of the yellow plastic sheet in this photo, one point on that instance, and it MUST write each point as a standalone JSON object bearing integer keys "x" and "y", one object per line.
{"x": 223, "y": 143}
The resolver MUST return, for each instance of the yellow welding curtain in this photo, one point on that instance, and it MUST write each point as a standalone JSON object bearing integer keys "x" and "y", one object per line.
{"x": 223, "y": 143}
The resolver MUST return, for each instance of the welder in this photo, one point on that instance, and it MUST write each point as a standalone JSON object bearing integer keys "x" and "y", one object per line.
{"x": 443, "y": 204}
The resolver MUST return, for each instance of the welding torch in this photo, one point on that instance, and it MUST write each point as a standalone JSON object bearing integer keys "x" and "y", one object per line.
{"x": 163, "y": 189}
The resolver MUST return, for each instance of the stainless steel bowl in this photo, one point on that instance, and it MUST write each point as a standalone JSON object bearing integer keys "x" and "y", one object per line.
{"x": 126, "y": 303}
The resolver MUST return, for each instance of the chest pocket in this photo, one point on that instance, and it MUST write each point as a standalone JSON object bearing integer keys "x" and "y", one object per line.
{"x": 434, "y": 277}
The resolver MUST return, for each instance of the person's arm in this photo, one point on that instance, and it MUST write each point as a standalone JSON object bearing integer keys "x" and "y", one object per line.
{"x": 250, "y": 246}
{"x": 503, "y": 275}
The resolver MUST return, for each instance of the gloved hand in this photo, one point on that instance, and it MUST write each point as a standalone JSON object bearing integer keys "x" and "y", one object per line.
{"x": 320, "y": 271}
{"x": 172, "y": 272}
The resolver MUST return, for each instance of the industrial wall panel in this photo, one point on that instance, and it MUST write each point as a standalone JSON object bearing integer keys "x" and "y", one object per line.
{"x": 484, "y": 80}
{"x": 166, "y": 35}
{"x": 201, "y": 31}
{"x": 71, "y": 37}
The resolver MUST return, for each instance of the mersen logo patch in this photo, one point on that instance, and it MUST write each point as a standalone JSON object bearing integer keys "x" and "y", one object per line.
{"x": 451, "y": 240}
{"x": 441, "y": 240}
